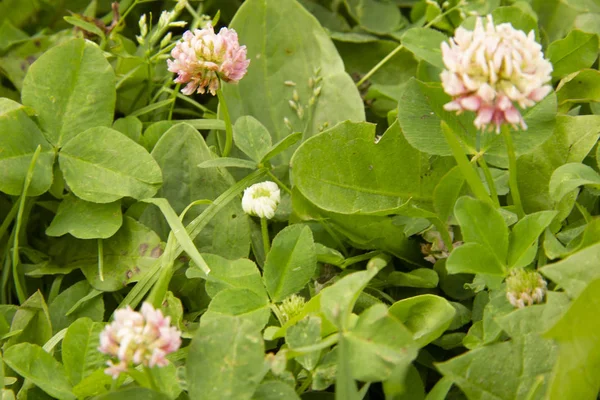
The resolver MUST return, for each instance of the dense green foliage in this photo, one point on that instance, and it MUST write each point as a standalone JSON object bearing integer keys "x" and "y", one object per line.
{"x": 383, "y": 274}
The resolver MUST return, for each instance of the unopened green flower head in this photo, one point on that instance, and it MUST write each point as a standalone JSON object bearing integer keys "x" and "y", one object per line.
{"x": 291, "y": 306}
{"x": 524, "y": 288}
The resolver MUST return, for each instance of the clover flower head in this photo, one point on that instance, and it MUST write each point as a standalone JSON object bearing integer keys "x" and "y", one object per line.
{"x": 261, "y": 199}
{"x": 202, "y": 57}
{"x": 524, "y": 288}
{"x": 491, "y": 70}
{"x": 144, "y": 338}
{"x": 435, "y": 249}
{"x": 291, "y": 306}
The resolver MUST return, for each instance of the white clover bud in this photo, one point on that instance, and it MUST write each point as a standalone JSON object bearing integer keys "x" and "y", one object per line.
{"x": 165, "y": 18}
{"x": 166, "y": 40}
{"x": 493, "y": 69}
{"x": 524, "y": 288}
{"x": 261, "y": 199}
{"x": 143, "y": 26}
{"x": 138, "y": 338}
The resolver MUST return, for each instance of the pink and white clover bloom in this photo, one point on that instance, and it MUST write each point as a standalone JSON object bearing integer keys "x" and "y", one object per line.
{"x": 492, "y": 70}
{"x": 202, "y": 57}
{"x": 138, "y": 338}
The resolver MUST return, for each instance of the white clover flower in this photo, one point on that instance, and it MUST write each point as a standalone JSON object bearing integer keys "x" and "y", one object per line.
{"x": 491, "y": 69}
{"x": 138, "y": 338}
{"x": 261, "y": 199}
{"x": 524, "y": 288}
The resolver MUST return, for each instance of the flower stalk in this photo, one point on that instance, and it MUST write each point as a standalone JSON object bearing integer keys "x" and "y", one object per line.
{"x": 228, "y": 126}
{"x": 512, "y": 172}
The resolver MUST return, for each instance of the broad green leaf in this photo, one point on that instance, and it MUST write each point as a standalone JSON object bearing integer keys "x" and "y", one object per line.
{"x": 33, "y": 363}
{"x": 10, "y": 35}
{"x": 32, "y": 319}
{"x": 474, "y": 258}
{"x": 576, "y": 51}
{"x": 328, "y": 255}
{"x": 420, "y": 112}
{"x": 295, "y": 51}
{"x": 581, "y": 87}
{"x": 508, "y": 370}
{"x": 178, "y": 153}
{"x": 577, "y": 271}
{"x": 275, "y": 390}
{"x": 229, "y": 274}
{"x": 343, "y": 170}
{"x": 569, "y": 177}
{"x": 86, "y": 220}
{"x": 128, "y": 255}
{"x": 337, "y": 301}
{"x": 426, "y": 316}
{"x": 281, "y": 146}
{"x": 239, "y": 302}
{"x": 291, "y": 262}
{"x": 366, "y": 232}
{"x": 79, "y": 22}
{"x": 419, "y": 278}
{"x": 96, "y": 383}
{"x": 404, "y": 384}
{"x": 306, "y": 332}
{"x": 80, "y": 353}
{"x": 227, "y": 338}
{"x": 96, "y": 172}
{"x": 572, "y": 140}
{"x": 425, "y": 43}
{"x": 64, "y": 303}
{"x": 19, "y": 139}
{"x": 133, "y": 393}
{"x": 525, "y": 234}
{"x": 130, "y": 127}
{"x": 481, "y": 223}
{"x": 578, "y": 366}
{"x": 72, "y": 88}
{"x": 251, "y": 137}
{"x": 447, "y": 191}
{"x": 518, "y": 17}
{"x": 380, "y": 17}
{"x": 378, "y": 344}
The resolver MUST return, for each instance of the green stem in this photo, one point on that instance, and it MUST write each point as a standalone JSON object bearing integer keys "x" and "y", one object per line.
{"x": 264, "y": 228}
{"x": 305, "y": 384}
{"x": 9, "y": 219}
{"x": 101, "y": 259}
{"x": 173, "y": 96}
{"x": 278, "y": 182}
{"x": 361, "y": 257}
{"x": 512, "y": 171}
{"x": 277, "y": 313}
{"x": 401, "y": 46}
{"x": 490, "y": 181}
{"x": 20, "y": 284}
{"x": 467, "y": 170}
{"x": 228, "y": 127}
